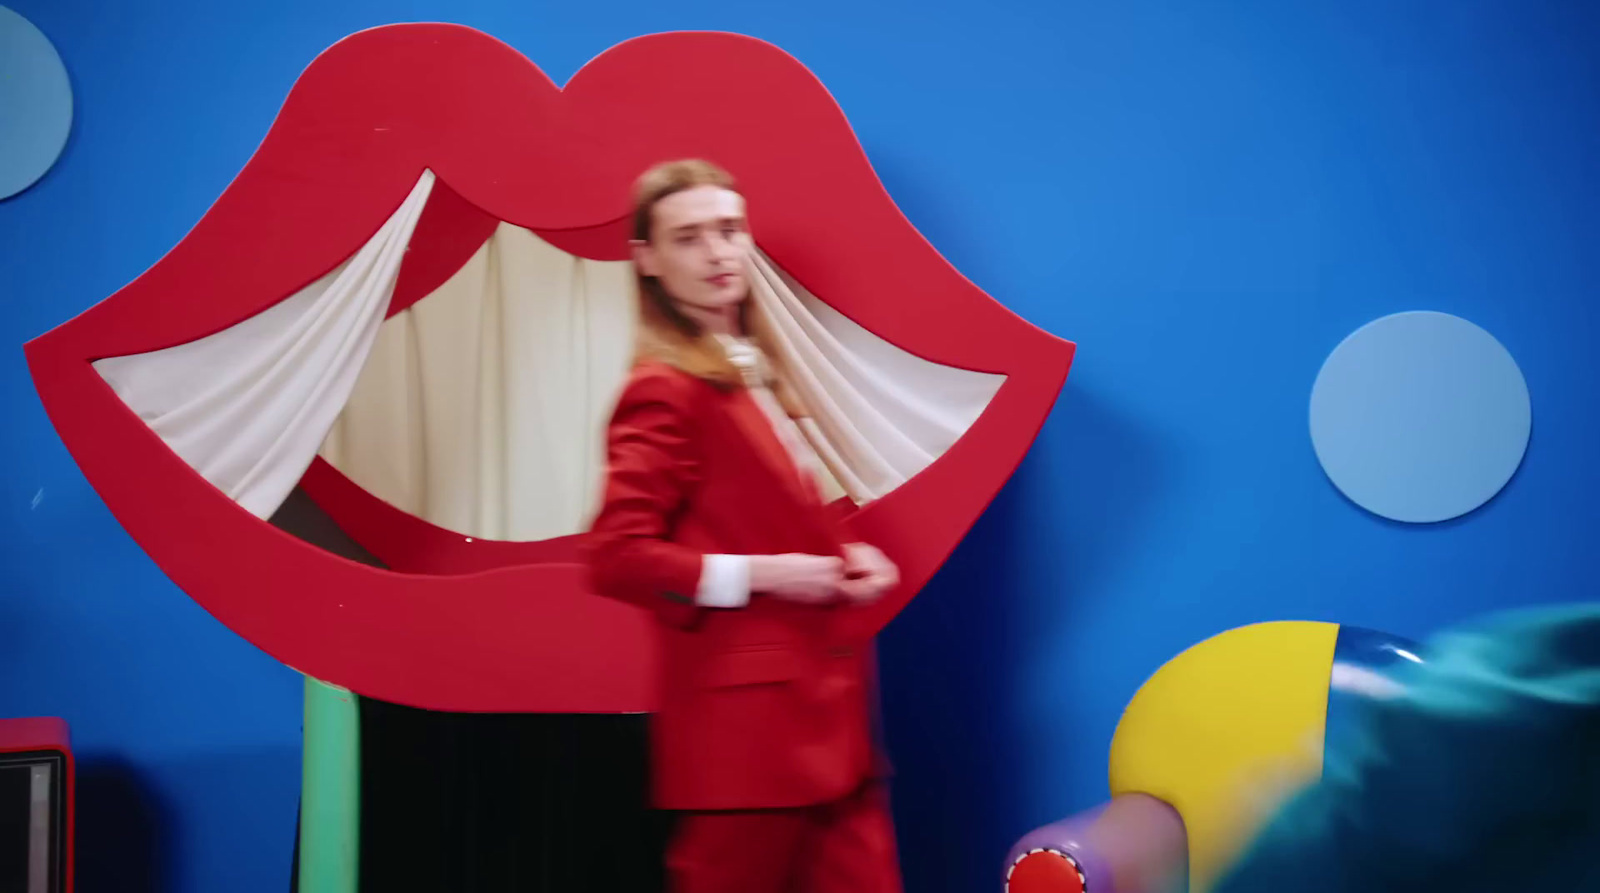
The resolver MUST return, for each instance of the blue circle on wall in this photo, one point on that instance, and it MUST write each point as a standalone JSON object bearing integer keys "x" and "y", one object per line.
{"x": 35, "y": 104}
{"x": 1420, "y": 416}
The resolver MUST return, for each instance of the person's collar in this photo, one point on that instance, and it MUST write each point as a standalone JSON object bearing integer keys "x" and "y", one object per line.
{"x": 747, "y": 357}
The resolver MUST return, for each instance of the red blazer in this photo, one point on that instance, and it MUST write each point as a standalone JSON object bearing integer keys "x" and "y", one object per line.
{"x": 761, "y": 707}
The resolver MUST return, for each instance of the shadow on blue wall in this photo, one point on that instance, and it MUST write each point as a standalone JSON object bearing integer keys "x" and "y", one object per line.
{"x": 958, "y": 661}
{"x": 170, "y": 824}
{"x": 124, "y": 830}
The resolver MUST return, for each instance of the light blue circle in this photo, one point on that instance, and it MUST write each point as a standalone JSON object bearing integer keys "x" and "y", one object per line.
{"x": 35, "y": 104}
{"x": 1420, "y": 416}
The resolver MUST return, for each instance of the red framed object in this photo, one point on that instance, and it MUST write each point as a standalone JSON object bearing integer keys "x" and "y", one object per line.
{"x": 49, "y": 739}
{"x": 460, "y": 625}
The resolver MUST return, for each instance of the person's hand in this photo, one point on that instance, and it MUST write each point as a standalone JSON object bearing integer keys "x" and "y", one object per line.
{"x": 868, "y": 574}
{"x": 807, "y": 579}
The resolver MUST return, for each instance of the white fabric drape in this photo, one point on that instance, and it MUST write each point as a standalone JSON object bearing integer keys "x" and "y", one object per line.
{"x": 482, "y": 407}
{"x": 878, "y": 414}
{"x": 746, "y": 355}
{"x": 247, "y": 406}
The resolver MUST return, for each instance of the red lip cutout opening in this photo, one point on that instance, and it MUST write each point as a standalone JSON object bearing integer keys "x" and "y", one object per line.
{"x": 463, "y": 625}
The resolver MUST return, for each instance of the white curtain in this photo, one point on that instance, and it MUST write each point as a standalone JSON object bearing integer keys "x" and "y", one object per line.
{"x": 482, "y": 407}
{"x": 247, "y": 406}
{"x": 879, "y": 414}
{"x": 484, "y": 404}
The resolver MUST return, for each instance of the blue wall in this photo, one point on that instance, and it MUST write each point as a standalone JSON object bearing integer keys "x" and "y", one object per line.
{"x": 1205, "y": 199}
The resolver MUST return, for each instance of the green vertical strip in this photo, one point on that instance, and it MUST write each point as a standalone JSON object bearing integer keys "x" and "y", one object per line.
{"x": 330, "y": 791}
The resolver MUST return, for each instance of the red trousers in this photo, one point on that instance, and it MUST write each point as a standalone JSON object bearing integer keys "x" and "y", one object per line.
{"x": 842, "y": 847}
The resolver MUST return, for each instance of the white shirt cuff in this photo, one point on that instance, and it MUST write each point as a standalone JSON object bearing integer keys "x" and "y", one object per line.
{"x": 724, "y": 581}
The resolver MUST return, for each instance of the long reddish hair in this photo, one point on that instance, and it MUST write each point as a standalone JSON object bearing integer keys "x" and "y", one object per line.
{"x": 666, "y": 333}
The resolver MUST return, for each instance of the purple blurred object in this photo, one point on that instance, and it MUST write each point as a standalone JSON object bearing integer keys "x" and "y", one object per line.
{"x": 1134, "y": 844}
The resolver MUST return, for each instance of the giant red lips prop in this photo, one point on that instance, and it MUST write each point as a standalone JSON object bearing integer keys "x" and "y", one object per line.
{"x": 455, "y": 624}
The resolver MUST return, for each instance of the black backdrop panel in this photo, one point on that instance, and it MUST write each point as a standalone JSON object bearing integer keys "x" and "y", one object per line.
{"x": 528, "y": 802}
{"x": 467, "y": 802}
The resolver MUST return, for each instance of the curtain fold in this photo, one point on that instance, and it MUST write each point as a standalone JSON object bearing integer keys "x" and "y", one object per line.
{"x": 246, "y": 407}
{"x": 481, "y": 408}
{"x": 879, "y": 414}
{"x": 484, "y": 405}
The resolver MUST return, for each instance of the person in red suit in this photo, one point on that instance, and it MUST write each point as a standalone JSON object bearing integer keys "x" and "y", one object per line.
{"x": 713, "y": 519}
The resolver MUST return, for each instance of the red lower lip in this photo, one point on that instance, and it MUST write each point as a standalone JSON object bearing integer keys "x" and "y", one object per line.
{"x": 509, "y": 626}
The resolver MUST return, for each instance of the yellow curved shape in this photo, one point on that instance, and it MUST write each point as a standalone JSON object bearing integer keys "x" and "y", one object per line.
{"x": 1224, "y": 729}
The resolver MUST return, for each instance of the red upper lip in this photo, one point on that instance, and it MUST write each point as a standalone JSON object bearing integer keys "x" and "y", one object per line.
{"x": 360, "y": 126}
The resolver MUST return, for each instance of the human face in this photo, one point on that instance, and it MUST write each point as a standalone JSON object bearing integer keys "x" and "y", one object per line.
{"x": 697, "y": 249}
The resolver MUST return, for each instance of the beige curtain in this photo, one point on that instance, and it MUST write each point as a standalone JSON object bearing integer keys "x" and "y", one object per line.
{"x": 247, "y": 406}
{"x": 879, "y": 414}
{"x": 482, "y": 407}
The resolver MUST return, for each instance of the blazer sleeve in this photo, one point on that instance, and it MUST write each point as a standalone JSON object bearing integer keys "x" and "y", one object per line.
{"x": 652, "y": 468}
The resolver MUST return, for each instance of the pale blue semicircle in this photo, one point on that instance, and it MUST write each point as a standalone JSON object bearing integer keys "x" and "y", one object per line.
{"x": 35, "y": 104}
{"x": 1420, "y": 416}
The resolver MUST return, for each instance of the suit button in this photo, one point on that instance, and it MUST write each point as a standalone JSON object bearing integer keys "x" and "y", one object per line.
{"x": 841, "y": 651}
